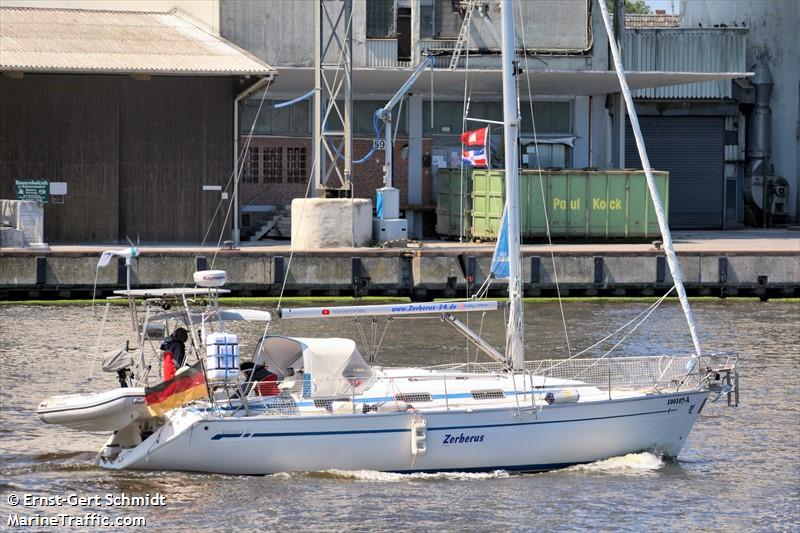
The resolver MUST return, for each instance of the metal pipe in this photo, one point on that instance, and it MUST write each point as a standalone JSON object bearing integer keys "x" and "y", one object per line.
{"x": 348, "y": 98}
{"x": 387, "y": 174}
{"x": 590, "y": 131}
{"x": 317, "y": 139}
{"x": 428, "y": 62}
{"x": 242, "y": 95}
{"x": 759, "y": 139}
{"x": 385, "y": 114}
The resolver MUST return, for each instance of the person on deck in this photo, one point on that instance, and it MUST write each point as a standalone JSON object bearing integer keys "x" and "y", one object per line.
{"x": 174, "y": 352}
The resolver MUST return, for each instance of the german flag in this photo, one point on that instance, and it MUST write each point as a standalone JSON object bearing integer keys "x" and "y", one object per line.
{"x": 183, "y": 388}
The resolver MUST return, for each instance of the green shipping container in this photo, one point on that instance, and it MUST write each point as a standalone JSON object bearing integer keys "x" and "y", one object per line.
{"x": 580, "y": 203}
{"x": 453, "y": 205}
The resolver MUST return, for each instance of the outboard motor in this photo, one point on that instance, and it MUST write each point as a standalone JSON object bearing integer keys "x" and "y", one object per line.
{"x": 119, "y": 361}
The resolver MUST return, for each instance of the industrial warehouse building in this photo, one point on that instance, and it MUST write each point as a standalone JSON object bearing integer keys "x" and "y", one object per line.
{"x": 696, "y": 131}
{"x": 692, "y": 129}
{"x": 133, "y": 111}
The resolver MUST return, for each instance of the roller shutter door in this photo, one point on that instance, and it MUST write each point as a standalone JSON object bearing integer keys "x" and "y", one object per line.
{"x": 691, "y": 149}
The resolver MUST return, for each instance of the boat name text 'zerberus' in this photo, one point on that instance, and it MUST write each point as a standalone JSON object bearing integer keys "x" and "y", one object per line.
{"x": 678, "y": 401}
{"x": 461, "y": 439}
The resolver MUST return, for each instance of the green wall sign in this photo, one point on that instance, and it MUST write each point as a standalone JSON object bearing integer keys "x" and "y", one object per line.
{"x": 38, "y": 190}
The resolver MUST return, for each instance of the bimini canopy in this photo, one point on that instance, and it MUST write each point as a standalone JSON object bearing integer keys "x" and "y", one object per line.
{"x": 278, "y": 354}
{"x": 335, "y": 366}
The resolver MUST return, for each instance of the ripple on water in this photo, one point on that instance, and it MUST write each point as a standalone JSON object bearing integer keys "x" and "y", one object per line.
{"x": 743, "y": 460}
{"x": 391, "y": 477}
{"x": 22, "y": 464}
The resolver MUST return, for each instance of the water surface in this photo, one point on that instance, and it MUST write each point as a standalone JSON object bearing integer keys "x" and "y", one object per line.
{"x": 740, "y": 469}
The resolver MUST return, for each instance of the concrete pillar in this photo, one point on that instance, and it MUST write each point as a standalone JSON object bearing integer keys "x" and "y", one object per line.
{"x": 599, "y": 133}
{"x": 618, "y": 131}
{"x": 414, "y": 164}
{"x": 618, "y": 101}
{"x": 416, "y": 51}
{"x": 580, "y": 152}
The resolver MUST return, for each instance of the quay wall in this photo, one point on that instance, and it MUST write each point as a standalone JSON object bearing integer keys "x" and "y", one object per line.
{"x": 417, "y": 274}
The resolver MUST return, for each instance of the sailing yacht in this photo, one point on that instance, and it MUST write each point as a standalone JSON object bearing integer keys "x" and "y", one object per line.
{"x": 318, "y": 404}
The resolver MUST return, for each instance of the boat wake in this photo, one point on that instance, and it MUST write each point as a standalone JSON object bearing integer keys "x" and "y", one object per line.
{"x": 17, "y": 465}
{"x": 393, "y": 477}
{"x": 632, "y": 463}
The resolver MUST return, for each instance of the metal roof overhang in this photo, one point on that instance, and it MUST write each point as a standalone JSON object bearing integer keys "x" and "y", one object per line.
{"x": 140, "y": 71}
{"x": 82, "y": 41}
{"x": 383, "y": 82}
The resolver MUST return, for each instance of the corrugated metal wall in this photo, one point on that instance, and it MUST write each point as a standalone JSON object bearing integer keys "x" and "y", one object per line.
{"x": 381, "y": 52}
{"x": 176, "y": 135}
{"x": 64, "y": 128}
{"x": 691, "y": 149}
{"x": 134, "y": 154}
{"x": 686, "y": 50}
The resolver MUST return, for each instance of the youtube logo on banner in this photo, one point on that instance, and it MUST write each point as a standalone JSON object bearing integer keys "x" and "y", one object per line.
{"x": 475, "y": 137}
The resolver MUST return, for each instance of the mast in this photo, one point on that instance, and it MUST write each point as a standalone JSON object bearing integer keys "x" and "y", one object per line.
{"x": 514, "y": 334}
{"x": 669, "y": 250}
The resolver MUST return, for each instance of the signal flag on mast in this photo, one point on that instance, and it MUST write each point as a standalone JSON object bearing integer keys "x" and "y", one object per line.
{"x": 477, "y": 157}
{"x": 475, "y": 137}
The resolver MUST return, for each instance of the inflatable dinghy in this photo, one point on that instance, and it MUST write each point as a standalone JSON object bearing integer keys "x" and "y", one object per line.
{"x": 103, "y": 411}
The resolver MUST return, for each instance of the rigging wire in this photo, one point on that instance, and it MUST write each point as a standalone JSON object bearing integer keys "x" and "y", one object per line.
{"x": 308, "y": 185}
{"x": 397, "y": 122}
{"x": 541, "y": 182}
{"x": 292, "y": 240}
{"x": 235, "y": 175}
{"x": 465, "y": 108}
{"x": 646, "y": 313}
{"x": 649, "y": 311}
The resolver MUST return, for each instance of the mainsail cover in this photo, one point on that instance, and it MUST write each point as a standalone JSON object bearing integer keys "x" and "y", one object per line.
{"x": 499, "y": 269}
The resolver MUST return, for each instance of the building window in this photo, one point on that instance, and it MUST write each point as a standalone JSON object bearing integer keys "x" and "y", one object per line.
{"x": 252, "y": 170}
{"x": 272, "y": 164}
{"x": 381, "y": 18}
{"x": 551, "y": 116}
{"x": 426, "y": 21}
{"x": 546, "y": 156}
{"x": 296, "y": 167}
{"x": 448, "y": 118}
{"x": 292, "y": 121}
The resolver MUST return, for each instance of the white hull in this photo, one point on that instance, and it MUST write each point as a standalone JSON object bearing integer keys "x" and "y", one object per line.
{"x": 528, "y": 439}
{"x": 104, "y": 411}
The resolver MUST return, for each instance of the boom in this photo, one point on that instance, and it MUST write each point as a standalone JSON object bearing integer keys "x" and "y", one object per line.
{"x": 425, "y": 308}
